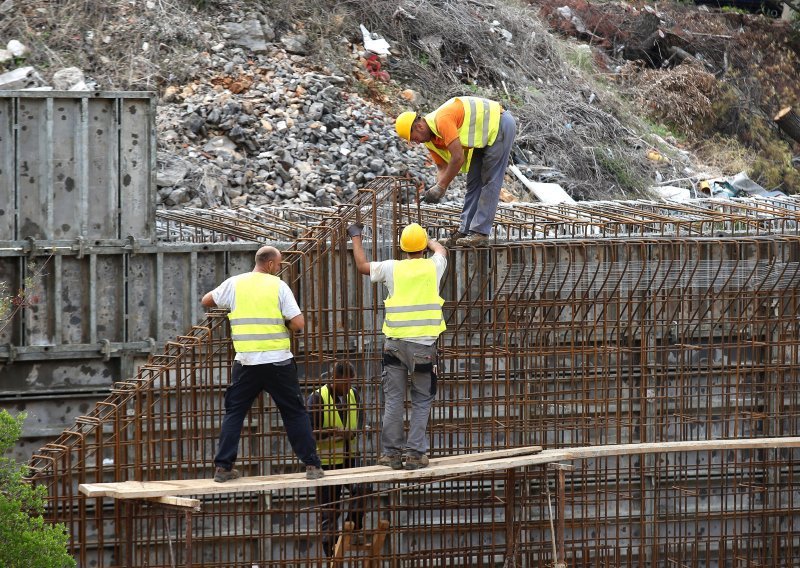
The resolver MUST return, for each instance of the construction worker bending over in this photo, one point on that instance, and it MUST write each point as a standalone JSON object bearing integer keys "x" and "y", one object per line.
{"x": 413, "y": 321}
{"x": 337, "y": 415}
{"x": 471, "y": 135}
{"x": 262, "y": 312}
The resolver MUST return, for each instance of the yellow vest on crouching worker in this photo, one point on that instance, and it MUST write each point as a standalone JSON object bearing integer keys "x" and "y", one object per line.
{"x": 415, "y": 308}
{"x": 257, "y": 323}
{"x": 331, "y": 451}
{"x": 479, "y": 129}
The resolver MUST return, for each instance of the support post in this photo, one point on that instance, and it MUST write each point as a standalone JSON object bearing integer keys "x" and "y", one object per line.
{"x": 560, "y": 468}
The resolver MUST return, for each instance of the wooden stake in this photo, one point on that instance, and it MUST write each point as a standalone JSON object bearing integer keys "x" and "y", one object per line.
{"x": 789, "y": 122}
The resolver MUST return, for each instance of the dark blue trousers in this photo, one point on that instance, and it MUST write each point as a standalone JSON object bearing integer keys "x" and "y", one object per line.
{"x": 280, "y": 381}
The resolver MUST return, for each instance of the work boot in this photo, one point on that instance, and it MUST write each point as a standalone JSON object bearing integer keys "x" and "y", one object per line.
{"x": 473, "y": 240}
{"x": 416, "y": 462}
{"x": 393, "y": 461}
{"x": 451, "y": 240}
{"x": 221, "y": 475}
{"x": 314, "y": 472}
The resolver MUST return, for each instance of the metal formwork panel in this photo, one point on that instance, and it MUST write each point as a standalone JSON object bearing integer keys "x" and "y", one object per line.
{"x": 101, "y": 208}
{"x": 81, "y": 165}
{"x": 137, "y": 165}
{"x": 8, "y": 196}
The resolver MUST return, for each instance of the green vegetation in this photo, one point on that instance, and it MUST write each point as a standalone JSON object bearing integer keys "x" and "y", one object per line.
{"x": 628, "y": 178}
{"x": 28, "y": 542}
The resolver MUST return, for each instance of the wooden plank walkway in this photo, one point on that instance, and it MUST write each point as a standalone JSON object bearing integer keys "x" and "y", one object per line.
{"x": 466, "y": 464}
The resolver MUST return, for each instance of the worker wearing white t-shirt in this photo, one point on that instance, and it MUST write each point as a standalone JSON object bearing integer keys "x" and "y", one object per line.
{"x": 263, "y": 311}
{"x": 413, "y": 321}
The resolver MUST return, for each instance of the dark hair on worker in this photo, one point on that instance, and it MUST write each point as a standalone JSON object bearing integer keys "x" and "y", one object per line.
{"x": 344, "y": 369}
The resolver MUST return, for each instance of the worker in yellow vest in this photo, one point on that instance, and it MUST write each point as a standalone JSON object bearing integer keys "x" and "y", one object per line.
{"x": 337, "y": 416}
{"x": 472, "y": 135}
{"x": 413, "y": 321}
{"x": 263, "y": 311}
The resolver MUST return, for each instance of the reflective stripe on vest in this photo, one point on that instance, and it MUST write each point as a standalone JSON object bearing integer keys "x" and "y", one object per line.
{"x": 332, "y": 452}
{"x": 415, "y": 308}
{"x": 479, "y": 129}
{"x": 256, "y": 320}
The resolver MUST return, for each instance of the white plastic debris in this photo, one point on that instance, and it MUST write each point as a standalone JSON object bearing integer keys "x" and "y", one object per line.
{"x": 16, "y": 48}
{"x": 373, "y": 42}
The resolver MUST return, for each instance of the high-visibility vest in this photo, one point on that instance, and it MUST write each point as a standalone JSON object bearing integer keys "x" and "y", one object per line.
{"x": 332, "y": 452}
{"x": 479, "y": 129}
{"x": 257, "y": 323}
{"x": 415, "y": 308}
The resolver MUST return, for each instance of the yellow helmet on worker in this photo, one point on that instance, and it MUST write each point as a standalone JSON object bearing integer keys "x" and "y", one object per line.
{"x": 403, "y": 124}
{"x": 413, "y": 238}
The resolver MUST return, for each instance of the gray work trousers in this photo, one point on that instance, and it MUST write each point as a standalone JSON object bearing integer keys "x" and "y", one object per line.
{"x": 404, "y": 360}
{"x": 485, "y": 178}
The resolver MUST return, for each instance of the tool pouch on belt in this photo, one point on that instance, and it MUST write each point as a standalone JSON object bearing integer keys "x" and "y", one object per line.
{"x": 414, "y": 357}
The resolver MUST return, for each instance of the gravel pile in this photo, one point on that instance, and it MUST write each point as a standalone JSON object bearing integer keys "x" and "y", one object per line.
{"x": 266, "y": 128}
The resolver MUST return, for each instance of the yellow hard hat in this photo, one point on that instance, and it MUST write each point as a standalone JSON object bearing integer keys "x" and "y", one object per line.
{"x": 403, "y": 124}
{"x": 413, "y": 238}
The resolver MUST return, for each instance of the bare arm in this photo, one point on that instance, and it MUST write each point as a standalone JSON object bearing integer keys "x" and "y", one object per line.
{"x": 362, "y": 264}
{"x": 297, "y": 323}
{"x": 208, "y": 301}
{"x": 436, "y": 247}
{"x": 446, "y": 174}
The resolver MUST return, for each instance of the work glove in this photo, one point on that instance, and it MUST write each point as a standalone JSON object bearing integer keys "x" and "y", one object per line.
{"x": 355, "y": 229}
{"x": 433, "y": 195}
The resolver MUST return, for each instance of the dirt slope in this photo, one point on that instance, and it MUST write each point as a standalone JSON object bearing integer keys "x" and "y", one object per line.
{"x": 612, "y": 97}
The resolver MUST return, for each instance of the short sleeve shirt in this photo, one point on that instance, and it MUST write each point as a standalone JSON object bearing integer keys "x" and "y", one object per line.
{"x": 449, "y": 119}
{"x": 384, "y": 272}
{"x": 224, "y": 296}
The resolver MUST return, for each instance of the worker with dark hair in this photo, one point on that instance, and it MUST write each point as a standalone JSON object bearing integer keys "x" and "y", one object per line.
{"x": 471, "y": 135}
{"x": 263, "y": 311}
{"x": 337, "y": 415}
{"x": 412, "y": 323}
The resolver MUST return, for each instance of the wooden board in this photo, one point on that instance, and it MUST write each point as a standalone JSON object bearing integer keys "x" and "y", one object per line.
{"x": 449, "y": 466}
{"x": 144, "y": 489}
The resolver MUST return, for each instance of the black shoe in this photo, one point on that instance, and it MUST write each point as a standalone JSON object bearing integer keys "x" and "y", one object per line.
{"x": 221, "y": 475}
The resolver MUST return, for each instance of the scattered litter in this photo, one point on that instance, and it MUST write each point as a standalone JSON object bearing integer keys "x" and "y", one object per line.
{"x": 549, "y": 193}
{"x": 739, "y": 185}
{"x": 373, "y": 42}
{"x": 672, "y": 193}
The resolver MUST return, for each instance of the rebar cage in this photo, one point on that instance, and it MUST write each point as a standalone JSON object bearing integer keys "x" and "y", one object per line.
{"x": 580, "y": 325}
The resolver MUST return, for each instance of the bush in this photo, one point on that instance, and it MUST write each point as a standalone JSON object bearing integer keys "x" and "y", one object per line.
{"x": 28, "y": 542}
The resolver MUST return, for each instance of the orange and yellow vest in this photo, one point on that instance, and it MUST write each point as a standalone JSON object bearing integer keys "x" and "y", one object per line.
{"x": 257, "y": 323}
{"x": 479, "y": 129}
{"x": 415, "y": 308}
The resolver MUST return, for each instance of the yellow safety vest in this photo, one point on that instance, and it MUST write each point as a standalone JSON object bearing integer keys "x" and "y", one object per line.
{"x": 332, "y": 452}
{"x": 257, "y": 323}
{"x": 479, "y": 129}
{"x": 415, "y": 308}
